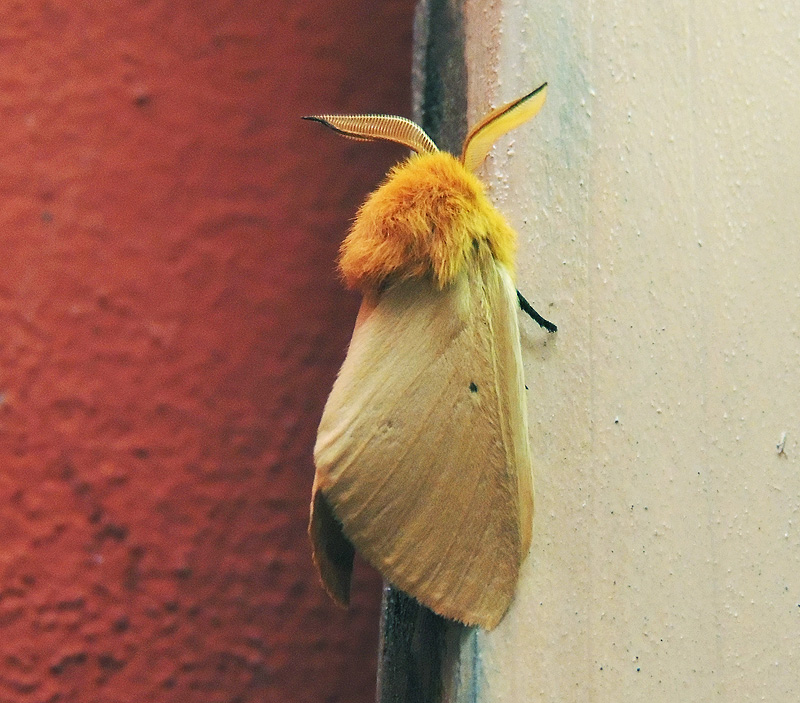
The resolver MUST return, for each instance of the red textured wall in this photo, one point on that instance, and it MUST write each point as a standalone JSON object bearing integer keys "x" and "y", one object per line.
{"x": 170, "y": 325}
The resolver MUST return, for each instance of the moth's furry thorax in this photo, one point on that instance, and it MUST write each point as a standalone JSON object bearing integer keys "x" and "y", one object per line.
{"x": 426, "y": 219}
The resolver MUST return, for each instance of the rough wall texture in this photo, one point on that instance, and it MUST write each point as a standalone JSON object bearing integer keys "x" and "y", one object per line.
{"x": 170, "y": 325}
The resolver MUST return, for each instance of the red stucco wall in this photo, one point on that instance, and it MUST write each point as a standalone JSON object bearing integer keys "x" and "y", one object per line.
{"x": 170, "y": 325}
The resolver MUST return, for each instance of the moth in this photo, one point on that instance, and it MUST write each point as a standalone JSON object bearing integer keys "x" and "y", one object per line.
{"x": 422, "y": 456}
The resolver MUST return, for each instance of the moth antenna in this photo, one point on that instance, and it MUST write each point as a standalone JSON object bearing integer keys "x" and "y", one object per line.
{"x": 505, "y": 118}
{"x": 370, "y": 127}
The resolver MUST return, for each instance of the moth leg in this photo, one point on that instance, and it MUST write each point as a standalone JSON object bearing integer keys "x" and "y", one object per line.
{"x": 526, "y": 307}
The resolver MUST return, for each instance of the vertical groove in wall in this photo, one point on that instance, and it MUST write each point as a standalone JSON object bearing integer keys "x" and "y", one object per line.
{"x": 415, "y": 658}
{"x": 439, "y": 74}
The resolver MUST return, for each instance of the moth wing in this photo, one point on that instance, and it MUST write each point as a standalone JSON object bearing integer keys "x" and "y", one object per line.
{"x": 422, "y": 453}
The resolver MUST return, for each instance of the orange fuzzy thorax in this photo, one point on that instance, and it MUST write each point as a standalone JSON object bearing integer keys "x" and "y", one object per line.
{"x": 426, "y": 219}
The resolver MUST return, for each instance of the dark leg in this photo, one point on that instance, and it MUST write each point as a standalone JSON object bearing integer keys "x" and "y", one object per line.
{"x": 526, "y": 307}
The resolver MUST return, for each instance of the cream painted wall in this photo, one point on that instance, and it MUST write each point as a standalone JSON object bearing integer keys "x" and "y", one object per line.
{"x": 656, "y": 197}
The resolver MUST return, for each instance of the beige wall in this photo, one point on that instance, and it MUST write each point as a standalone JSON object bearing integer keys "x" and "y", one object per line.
{"x": 656, "y": 201}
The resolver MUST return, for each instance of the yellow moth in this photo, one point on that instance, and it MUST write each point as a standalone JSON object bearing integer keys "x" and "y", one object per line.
{"x": 422, "y": 456}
